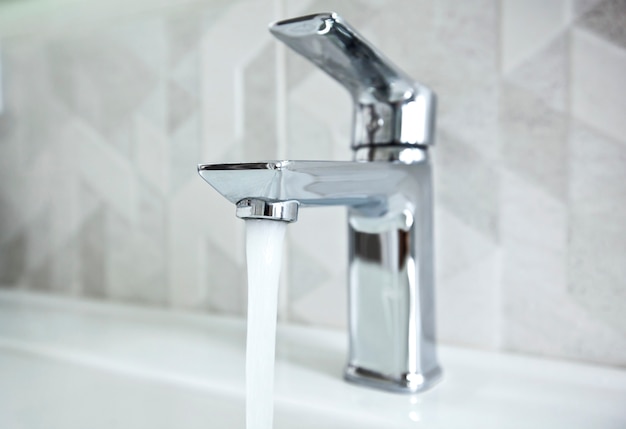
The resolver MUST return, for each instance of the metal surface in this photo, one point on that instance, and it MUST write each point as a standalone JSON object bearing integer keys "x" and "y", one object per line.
{"x": 389, "y": 107}
{"x": 252, "y": 208}
{"x": 363, "y": 185}
{"x": 388, "y": 192}
{"x": 391, "y": 278}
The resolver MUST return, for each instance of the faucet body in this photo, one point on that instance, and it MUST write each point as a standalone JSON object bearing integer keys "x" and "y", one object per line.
{"x": 391, "y": 290}
{"x": 388, "y": 191}
{"x": 390, "y": 226}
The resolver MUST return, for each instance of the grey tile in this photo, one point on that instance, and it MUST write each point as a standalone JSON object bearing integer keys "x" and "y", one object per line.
{"x": 62, "y": 60}
{"x": 13, "y": 260}
{"x": 607, "y": 19}
{"x": 181, "y": 105}
{"x": 135, "y": 264}
{"x": 146, "y": 37}
{"x": 325, "y": 306}
{"x": 39, "y": 232}
{"x": 184, "y": 154}
{"x": 187, "y": 73}
{"x": 534, "y": 140}
{"x": 225, "y": 282}
{"x": 260, "y": 139}
{"x": 308, "y": 135}
{"x": 467, "y": 185}
{"x": 317, "y": 258}
{"x": 596, "y": 269}
{"x": 155, "y": 106}
{"x": 64, "y": 273}
{"x": 151, "y": 212}
{"x": 448, "y": 46}
{"x": 37, "y": 117}
{"x": 527, "y": 26}
{"x": 185, "y": 25}
{"x": 473, "y": 120}
{"x": 531, "y": 215}
{"x": 184, "y": 28}
{"x": 9, "y": 140}
{"x": 597, "y": 176}
{"x": 317, "y": 128}
{"x": 469, "y": 31}
{"x": 467, "y": 283}
{"x": 10, "y": 211}
{"x": 540, "y": 317}
{"x": 102, "y": 81}
{"x": 598, "y": 86}
{"x": 92, "y": 256}
{"x": 40, "y": 278}
{"x": 580, "y": 7}
{"x": 305, "y": 272}
{"x": 545, "y": 74}
{"x": 597, "y": 228}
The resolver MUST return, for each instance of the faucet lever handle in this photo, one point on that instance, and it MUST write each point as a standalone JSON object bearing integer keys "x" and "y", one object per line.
{"x": 389, "y": 107}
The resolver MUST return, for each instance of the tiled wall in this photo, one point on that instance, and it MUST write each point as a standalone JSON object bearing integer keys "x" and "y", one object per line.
{"x": 107, "y": 111}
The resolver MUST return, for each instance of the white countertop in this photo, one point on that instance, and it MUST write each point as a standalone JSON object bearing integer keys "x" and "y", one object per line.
{"x": 67, "y": 363}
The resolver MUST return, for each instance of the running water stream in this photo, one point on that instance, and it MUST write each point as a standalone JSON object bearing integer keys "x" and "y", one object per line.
{"x": 264, "y": 254}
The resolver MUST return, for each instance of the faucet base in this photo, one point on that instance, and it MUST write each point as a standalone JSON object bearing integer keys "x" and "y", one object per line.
{"x": 406, "y": 383}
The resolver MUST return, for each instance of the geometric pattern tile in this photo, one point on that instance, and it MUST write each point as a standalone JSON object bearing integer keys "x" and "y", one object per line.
{"x": 533, "y": 140}
{"x": 545, "y": 74}
{"x": 467, "y": 282}
{"x": 598, "y": 86}
{"x": 597, "y": 230}
{"x": 527, "y": 25}
{"x": 101, "y": 129}
{"x": 318, "y": 260}
{"x": 608, "y": 20}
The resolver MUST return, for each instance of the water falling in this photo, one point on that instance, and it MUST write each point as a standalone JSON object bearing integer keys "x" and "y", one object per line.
{"x": 264, "y": 254}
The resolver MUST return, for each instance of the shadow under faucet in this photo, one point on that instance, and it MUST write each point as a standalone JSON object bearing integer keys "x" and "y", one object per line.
{"x": 388, "y": 191}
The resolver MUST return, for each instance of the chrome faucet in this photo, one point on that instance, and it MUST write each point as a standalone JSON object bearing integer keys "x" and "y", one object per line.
{"x": 388, "y": 191}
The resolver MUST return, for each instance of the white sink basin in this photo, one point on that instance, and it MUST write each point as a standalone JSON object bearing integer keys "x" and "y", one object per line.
{"x": 76, "y": 364}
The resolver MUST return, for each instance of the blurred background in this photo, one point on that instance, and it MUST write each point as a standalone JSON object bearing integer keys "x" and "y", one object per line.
{"x": 106, "y": 107}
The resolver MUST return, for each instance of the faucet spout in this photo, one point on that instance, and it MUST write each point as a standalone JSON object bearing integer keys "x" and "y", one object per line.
{"x": 370, "y": 188}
